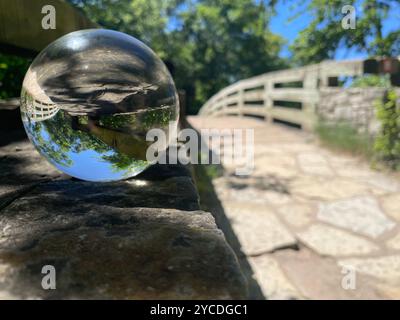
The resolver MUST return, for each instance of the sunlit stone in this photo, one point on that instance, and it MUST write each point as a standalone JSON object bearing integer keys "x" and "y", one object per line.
{"x": 89, "y": 99}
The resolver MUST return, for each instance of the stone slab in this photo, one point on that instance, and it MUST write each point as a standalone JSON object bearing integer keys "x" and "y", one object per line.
{"x": 103, "y": 248}
{"x": 21, "y": 168}
{"x": 272, "y": 280}
{"x": 319, "y": 277}
{"x": 394, "y": 242}
{"x": 384, "y": 267}
{"x": 258, "y": 229}
{"x": 326, "y": 189}
{"x": 142, "y": 238}
{"x": 279, "y": 165}
{"x": 391, "y": 205}
{"x": 297, "y": 214}
{"x": 328, "y": 241}
{"x": 383, "y": 182}
{"x": 314, "y": 164}
{"x": 118, "y": 253}
{"x": 360, "y": 214}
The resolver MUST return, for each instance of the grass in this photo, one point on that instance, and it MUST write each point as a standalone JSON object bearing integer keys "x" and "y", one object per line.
{"x": 214, "y": 171}
{"x": 343, "y": 137}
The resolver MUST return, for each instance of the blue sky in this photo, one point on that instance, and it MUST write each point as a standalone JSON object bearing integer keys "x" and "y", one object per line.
{"x": 286, "y": 9}
{"x": 289, "y": 30}
{"x": 86, "y": 164}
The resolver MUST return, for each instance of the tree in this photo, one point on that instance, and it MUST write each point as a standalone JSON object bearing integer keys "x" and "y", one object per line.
{"x": 220, "y": 42}
{"x": 12, "y": 72}
{"x": 210, "y": 43}
{"x": 147, "y": 20}
{"x": 325, "y": 34}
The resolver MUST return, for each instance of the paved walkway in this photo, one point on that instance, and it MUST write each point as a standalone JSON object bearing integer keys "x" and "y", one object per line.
{"x": 313, "y": 224}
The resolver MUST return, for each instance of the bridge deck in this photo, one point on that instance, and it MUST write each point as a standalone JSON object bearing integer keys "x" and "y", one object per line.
{"x": 308, "y": 219}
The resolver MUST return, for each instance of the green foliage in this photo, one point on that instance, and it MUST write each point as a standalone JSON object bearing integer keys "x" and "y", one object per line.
{"x": 224, "y": 41}
{"x": 147, "y": 20}
{"x": 342, "y": 136}
{"x": 387, "y": 143}
{"x": 118, "y": 121}
{"x": 210, "y": 43}
{"x": 371, "y": 80}
{"x": 157, "y": 118}
{"x": 214, "y": 170}
{"x": 12, "y": 72}
{"x": 153, "y": 118}
{"x": 325, "y": 34}
{"x": 122, "y": 162}
{"x": 61, "y": 139}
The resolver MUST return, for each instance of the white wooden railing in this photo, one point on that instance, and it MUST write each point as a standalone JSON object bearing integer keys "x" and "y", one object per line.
{"x": 37, "y": 110}
{"x": 290, "y": 96}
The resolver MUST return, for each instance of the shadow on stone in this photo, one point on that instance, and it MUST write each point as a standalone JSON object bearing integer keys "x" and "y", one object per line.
{"x": 209, "y": 202}
{"x": 134, "y": 239}
{"x": 118, "y": 253}
{"x": 269, "y": 182}
{"x": 142, "y": 238}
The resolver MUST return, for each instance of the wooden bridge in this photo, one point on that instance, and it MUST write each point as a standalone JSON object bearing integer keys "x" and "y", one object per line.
{"x": 37, "y": 110}
{"x": 305, "y": 215}
{"x": 289, "y": 96}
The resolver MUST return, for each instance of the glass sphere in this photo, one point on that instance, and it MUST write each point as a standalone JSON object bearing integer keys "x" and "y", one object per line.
{"x": 89, "y": 99}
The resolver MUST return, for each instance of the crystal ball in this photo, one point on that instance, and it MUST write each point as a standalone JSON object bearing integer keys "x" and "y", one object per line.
{"x": 89, "y": 99}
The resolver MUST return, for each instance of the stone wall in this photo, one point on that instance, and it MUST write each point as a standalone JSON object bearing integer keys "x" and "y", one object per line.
{"x": 352, "y": 105}
{"x": 143, "y": 238}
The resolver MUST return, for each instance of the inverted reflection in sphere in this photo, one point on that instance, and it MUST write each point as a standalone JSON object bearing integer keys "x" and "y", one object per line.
{"x": 89, "y": 99}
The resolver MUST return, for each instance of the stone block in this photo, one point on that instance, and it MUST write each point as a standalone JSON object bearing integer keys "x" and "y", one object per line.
{"x": 142, "y": 238}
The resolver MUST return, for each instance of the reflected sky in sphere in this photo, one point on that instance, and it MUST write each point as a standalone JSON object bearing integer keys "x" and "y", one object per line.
{"x": 89, "y": 99}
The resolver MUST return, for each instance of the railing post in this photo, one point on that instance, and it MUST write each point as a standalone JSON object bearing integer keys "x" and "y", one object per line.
{"x": 311, "y": 84}
{"x": 240, "y": 102}
{"x": 224, "y": 105}
{"x": 268, "y": 103}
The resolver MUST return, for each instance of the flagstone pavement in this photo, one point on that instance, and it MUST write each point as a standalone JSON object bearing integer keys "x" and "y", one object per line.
{"x": 312, "y": 223}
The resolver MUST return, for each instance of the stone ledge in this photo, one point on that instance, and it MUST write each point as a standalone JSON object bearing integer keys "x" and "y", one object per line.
{"x": 143, "y": 238}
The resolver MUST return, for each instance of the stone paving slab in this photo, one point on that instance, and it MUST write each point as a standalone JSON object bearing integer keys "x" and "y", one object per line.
{"x": 394, "y": 243}
{"x": 383, "y": 182}
{"x": 253, "y": 194}
{"x": 391, "y": 205}
{"x": 320, "y": 278}
{"x": 298, "y": 214}
{"x": 384, "y": 267}
{"x": 326, "y": 240}
{"x": 326, "y": 189}
{"x": 272, "y": 280}
{"x": 258, "y": 229}
{"x": 360, "y": 214}
{"x": 314, "y": 164}
{"x": 334, "y": 205}
{"x": 280, "y": 165}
